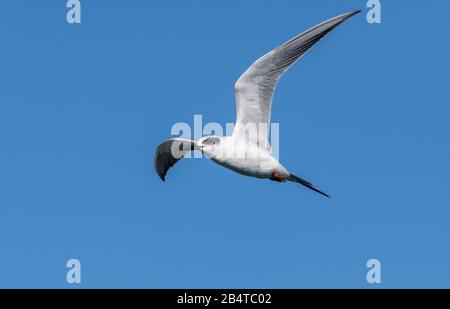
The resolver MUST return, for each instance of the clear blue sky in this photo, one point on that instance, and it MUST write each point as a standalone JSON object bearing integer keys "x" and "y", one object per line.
{"x": 82, "y": 108}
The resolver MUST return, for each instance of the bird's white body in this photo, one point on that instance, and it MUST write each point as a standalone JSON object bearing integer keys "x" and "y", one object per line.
{"x": 244, "y": 158}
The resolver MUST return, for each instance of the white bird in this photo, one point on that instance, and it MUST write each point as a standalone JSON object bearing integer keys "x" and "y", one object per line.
{"x": 247, "y": 150}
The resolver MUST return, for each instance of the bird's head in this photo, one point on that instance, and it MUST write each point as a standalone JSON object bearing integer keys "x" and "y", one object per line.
{"x": 209, "y": 144}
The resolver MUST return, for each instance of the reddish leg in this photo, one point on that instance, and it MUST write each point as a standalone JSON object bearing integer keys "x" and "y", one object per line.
{"x": 277, "y": 177}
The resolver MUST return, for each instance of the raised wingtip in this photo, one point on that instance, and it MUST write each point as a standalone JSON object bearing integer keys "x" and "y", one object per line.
{"x": 353, "y": 13}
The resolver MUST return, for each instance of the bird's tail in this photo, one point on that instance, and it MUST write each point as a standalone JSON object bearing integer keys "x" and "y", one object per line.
{"x": 301, "y": 181}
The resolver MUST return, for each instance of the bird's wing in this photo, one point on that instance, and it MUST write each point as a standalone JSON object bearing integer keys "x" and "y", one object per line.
{"x": 255, "y": 88}
{"x": 170, "y": 152}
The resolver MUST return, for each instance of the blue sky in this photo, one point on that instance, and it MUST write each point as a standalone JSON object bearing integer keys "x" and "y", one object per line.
{"x": 364, "y": 116}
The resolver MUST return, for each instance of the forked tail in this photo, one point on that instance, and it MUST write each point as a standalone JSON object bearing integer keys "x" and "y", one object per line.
{"x": 301, "y": 181}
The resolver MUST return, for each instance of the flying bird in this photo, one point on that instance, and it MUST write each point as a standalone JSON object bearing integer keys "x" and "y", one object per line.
{"x": 247, "y": 150}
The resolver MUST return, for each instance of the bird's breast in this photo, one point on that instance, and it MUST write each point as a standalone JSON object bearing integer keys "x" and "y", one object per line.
{"x": 246, "y": 160}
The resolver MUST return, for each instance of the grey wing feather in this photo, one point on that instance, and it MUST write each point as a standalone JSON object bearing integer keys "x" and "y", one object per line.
{"x": 254, "y": 89}
{"x": 170, "y": 152}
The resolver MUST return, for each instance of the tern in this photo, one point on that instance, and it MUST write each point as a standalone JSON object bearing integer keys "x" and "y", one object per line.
{"x": 247, "y": 150}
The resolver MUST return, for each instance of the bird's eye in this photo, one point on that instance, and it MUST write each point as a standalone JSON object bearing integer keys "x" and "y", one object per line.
{"x": 211, "y": 141}
{"x": 215, "y": 141}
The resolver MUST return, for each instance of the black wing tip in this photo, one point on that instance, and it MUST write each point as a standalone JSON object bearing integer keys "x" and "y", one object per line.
{"x": 164, "y": 158}
{"x": 156, "y": 167}
{"x": 351, "y": 14}
{"x": 160, "y": 175}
